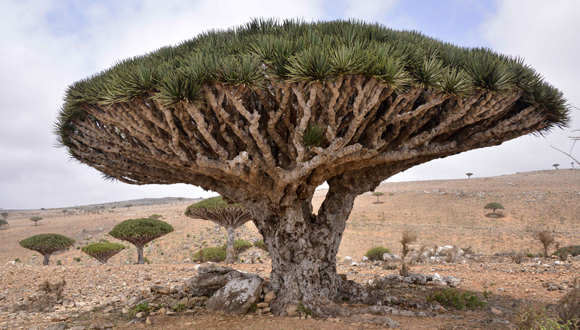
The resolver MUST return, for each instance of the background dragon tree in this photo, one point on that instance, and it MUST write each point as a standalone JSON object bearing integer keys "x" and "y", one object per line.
{"x": 229, "y": 216}
{"x": 266, "y": 112}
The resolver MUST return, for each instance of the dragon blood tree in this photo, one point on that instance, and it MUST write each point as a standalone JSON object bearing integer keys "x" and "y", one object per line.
{"x": 47, "y": 244}
{"x": 265, "y": 113}
{"x": 229, "y": 216}
{"x": 140, "y": 232}
{"x": 103, "y": 251}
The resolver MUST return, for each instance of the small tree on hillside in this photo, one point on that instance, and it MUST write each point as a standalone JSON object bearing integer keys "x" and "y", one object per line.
{"x": 407, "y": 238}
{"x": 47, "y": 244}
{"x": 494, "y": 206}
{"x": 229, "y": 216}
{"x": 378, "y": 194}
{"x": 556, "y": 165}
{"x": 4, "y": 215}
{"x": 3, "y": 223}
{"x": 140, "y": 232}
{"x": 103, "y": 251}
{"x": 546, "y": 239}
{"x": 36, "y": 220}
{"x": 128, "y": 206}
{"x": 469, "y": 175}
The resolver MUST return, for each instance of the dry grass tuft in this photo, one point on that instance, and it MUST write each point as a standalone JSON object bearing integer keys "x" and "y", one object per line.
{"x": 547, "y": 239}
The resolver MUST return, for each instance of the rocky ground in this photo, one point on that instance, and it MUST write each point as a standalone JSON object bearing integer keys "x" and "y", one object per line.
{"x": 441, "y": 213}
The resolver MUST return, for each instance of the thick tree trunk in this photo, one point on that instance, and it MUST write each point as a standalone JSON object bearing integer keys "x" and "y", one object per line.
{"x": 230, "y": 252}
{"x": 46, "y": 260}
{"x": 303, "y": 248}
{"x": 140, "y": 259}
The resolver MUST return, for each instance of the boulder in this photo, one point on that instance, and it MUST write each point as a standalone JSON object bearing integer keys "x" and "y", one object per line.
{"x": 451, "y": 281}
{"x": 209, "y": 282}
{"x": 389, "y": 257}
{"x": 236, "y": 296}
{"x": 210, "y": 267}
{"x": 347, "y": 259}
{"x": 416, "y": 279}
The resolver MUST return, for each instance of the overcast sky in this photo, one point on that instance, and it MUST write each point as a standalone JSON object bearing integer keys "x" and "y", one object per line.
{"x": 47, "y": 45}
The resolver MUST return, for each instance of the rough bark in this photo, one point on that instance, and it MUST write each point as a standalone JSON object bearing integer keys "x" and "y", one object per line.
{"x": 46, "y": 259}
{"x": 230, "y": 252}
{"x": 140, "y": 259}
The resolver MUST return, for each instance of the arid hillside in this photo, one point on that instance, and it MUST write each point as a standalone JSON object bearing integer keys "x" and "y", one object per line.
{"x": 442, "y": 212}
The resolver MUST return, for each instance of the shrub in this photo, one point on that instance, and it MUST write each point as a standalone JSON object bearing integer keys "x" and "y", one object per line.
{"x": 569, "y": 305}
{"x": 456, "y": 299}
{"x": 573, "y": 250}
{"x": 215, "y": 254}
{"x": 3, "y": 223}
{"x": 376, "y": 253}
{"x": 103, "y": 251}
{"x": 47, "y": 244}
{"x": 240, "y": 245}
{"x": 261, "y": 245}
{"x": 533, "y": 316}
{"x": 546, "y": 239}
{"x": 407, "y": 238}
{"x": 155, "y": 216}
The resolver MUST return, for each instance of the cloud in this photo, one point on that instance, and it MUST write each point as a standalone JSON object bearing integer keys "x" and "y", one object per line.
{"x": 46, "y": 46}
{"x": 545, "y": 34}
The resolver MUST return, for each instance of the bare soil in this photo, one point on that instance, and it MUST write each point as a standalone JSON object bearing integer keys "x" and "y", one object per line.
{"x": 442, "y": 212}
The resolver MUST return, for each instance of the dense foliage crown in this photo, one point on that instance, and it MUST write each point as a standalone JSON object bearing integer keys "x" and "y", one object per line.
{"x": 212, "y": 204}
{"x": 52, "y": 241}
{"x": 141, "y": 227}
{"x": 298, "y": 51}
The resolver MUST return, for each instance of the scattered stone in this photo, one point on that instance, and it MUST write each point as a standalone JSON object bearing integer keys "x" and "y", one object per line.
{"x": 160, "y": 290}
{"x": 292, "y": 310}
{"x": 263, "y": 305}
{"x": 58, "y": 326}
{"x": 389, "y": 257}
{"x": 271, "y": 295}
{"x": 496, "y": 311}
{"x": 170, "y": 313}
{"x": 78, "y": 327}
{"x": 347, "y": 259}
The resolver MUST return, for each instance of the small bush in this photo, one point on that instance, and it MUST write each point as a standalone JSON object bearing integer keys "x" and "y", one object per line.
{"x": 532, "y": 317}
{"x": 261, "y": 245}
{"x": 376, "y": 253}
{"x": 59, "y": 263}
{"x": 546, "y": 239}
{"x": 304, "y": 310}
{"x": 573, "y": 250}
{"x": 55, "y": 289}
{"x": 142, "y": 307}
{"x": 78, "y": 259}
{"x": 569, "y": 305}
{"x": 155, "y": 216}
{"x": 240, "y": 245}
{"x": 456, "y": 299}
{"x": 215, "y": 254}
